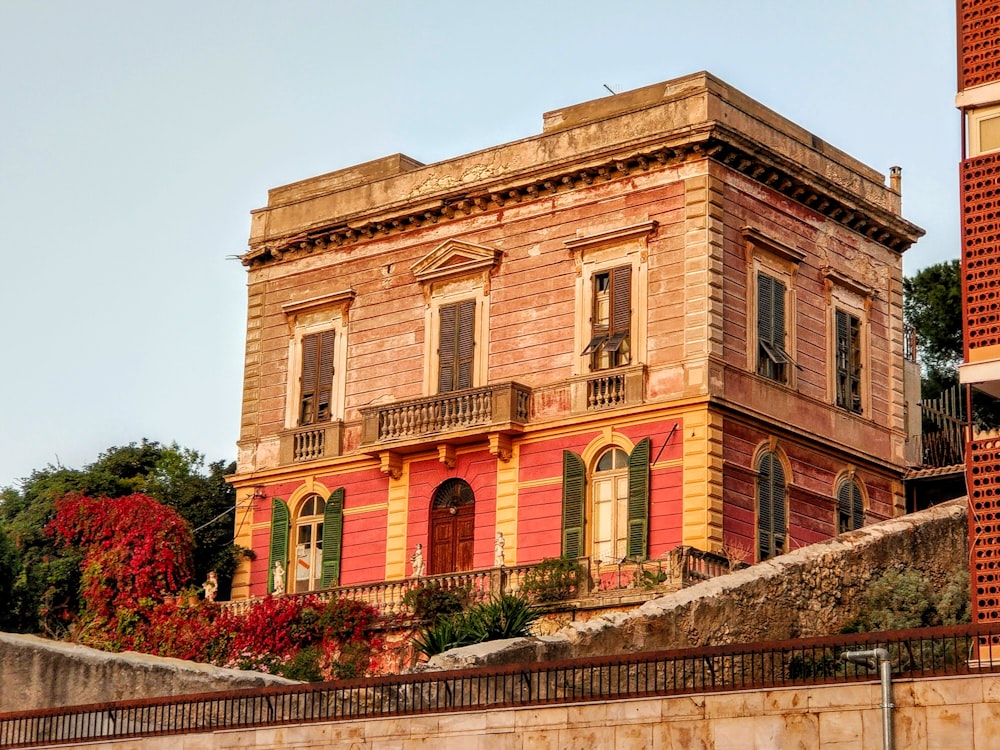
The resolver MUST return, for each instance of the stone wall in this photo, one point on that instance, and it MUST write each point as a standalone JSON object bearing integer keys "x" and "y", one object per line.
{"x": 948, "y": 712}
{"x": 811, "y": 591}
{"x": 39, "y": 673}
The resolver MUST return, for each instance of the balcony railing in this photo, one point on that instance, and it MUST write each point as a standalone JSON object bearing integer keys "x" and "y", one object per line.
{"x": 311, "y": 442}
{"x": 608, "y": 389}
{"x": 493, "y": 405}
{"x": 682, "y": 566}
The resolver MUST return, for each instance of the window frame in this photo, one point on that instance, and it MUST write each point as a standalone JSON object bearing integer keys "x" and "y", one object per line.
{"x": 846, "y": 296}
{"x": 600, "y": 253}
{"x": 316, "y": 317}
{"x": 777, "y": 544}
{"x": 857, "y": 503}
{"x": 779, "y": 263}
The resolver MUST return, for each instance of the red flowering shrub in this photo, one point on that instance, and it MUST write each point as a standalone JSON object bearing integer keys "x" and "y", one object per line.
{"x": 134, "y": 549}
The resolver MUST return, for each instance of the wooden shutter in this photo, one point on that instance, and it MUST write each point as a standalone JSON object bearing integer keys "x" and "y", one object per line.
{"x": 770, "y": 507}
{"x": 765, "y": 292}
{"x": 333, "y": 532}
{"x": 279, "y": 541}
{"x": 850, "y": 505}
{"x": 638, "y": 500}
{"x": 465, "y": 343}
{"x": 574, "y": 498}
{"x": 446, "y": 348}
{"x": 307, "y": 379}
{"x": 621, "y": 299}
{"x": 324, "y": 376}
{"x": 778, "y": 314}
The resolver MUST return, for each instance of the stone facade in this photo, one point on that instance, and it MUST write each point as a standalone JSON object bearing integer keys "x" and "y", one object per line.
{"x": 672, "y": 318}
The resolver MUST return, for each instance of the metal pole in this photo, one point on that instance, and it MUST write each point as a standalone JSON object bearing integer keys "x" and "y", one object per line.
{"x": 879, "y": 657}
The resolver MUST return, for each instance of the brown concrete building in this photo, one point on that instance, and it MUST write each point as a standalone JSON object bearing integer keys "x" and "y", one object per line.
{"x": 671, "y": 318}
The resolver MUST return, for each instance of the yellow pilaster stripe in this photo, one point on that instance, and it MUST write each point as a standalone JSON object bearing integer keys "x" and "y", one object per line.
{"x": 396, "y": 554}
{"x": 507, "y": 473}
{"x": 702, "y": 492}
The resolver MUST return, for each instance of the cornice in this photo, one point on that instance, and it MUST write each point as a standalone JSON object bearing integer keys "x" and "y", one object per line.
{"x": 716, "y": 142}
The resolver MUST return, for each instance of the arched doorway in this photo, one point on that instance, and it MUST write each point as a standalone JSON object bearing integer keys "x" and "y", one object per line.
{"x": 453, "y": 527}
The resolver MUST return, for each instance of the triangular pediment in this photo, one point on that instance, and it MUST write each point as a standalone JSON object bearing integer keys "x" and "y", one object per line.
{"x": 454, "y": 258}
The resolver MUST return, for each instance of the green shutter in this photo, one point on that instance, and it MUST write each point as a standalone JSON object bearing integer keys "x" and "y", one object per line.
{"x": 638, "y": 500}
{"x": 279, "y": 541}
{"x": 574, "y": 482}
{"x": 333, "y": 533}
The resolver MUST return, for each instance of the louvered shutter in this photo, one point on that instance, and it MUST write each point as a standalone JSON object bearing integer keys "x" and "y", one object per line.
{"x": 770, "y": 506}
{"x": 851, "y": 505}
{"x": 777, "y": 505}
{"x": 778, "y": 313}
{"x": 843, "y": 348}
{"x": 465, "y": 343}
{"x": 307, "y": 379}
{"x": 324, "y": 375}
{"x": 638, "y": 500}
{"x": 333, "y": 532}
{"x": 765, "y": 293}
{"x": 574, "y": 482}
{"x": 279, "y": 541}
{"x": 621, "y": 299}
{"x": 446, "y": 349}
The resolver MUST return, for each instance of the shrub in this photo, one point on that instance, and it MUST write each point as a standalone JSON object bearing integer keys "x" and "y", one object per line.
{"x": 433, "y": 601}
{"x": 900, "y": 599}
{"x": 503, "y": 616}
{"x": 554, "y": 579}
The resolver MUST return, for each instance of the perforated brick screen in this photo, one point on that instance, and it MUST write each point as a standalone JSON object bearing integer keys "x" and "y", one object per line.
{"x": 978, "y": 42}
{"x": 984, "y": 527}
{"x": 981, "y": 247}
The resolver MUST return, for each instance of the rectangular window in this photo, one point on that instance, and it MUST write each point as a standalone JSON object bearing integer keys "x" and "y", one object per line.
{"x": 611, "y": 319}
{"x": 848, "y": 356}
{"x": 316, "y": 379}
{"x": 456, "y": 346}
{"x": 772, "y": 357}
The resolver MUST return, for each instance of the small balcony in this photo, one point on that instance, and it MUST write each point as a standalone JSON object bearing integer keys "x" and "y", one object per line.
{"x": 608, "y": 389}
{"x": 310, "y": 442}
{"x": 502, "y": 407}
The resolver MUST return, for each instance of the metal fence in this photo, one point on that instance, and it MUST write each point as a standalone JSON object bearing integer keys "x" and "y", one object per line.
{"x": 915, "y": 653}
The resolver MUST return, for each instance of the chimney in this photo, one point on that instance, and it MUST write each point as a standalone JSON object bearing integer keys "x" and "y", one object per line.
{"x": 896, "y": 180}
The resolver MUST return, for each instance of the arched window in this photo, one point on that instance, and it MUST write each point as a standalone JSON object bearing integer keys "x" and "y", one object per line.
{"x": 771, "y": 523}
{"x": 609, "y": 498}
{"x": 616, "y": 522}
{"x": 452, "y": 528}
{"x": 850, "y": 507}
{"x": 311, "y": 545}
{"x": 308, "y": 562}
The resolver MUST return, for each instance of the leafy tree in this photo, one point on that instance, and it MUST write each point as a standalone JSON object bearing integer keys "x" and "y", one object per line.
{"x": 46, "y": 589}
{"x": 932, "y": 304}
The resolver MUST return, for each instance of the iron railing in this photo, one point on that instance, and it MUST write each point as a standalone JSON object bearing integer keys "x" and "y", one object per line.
{"x": 914, "y": 653}
{"x": 943, "y": 428}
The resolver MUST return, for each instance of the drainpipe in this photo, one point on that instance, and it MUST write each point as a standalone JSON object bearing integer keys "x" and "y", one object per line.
{"x": 879, "y": 657}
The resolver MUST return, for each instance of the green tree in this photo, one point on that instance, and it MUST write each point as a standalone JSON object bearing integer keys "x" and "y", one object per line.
{"x": 46, "y": 590}
{"x": 932, "y": 305}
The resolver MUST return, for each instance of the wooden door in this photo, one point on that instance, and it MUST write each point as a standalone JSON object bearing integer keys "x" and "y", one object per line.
{"x": 452, "y": 539}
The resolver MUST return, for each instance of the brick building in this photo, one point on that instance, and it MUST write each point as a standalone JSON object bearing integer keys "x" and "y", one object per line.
{"x": 672, "y": 318}
{"x": 978, "y": 99}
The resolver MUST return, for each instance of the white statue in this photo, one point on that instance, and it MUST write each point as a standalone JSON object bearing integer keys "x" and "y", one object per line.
{"x": 498, "y": 550}
{"x": 211, "y": 586}
{"x": 417, "y": 561}
{"x": 278, "y": 579}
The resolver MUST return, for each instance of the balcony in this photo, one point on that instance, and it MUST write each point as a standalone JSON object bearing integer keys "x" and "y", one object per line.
{"x": 310, "y": 442}
{"x": 500, "y": 407}
{"x": 608, "y": 389}
{"x": 604, "y": 585}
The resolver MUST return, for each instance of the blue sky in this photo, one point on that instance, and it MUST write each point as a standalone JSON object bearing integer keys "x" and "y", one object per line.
{"x": 135, "y": 138}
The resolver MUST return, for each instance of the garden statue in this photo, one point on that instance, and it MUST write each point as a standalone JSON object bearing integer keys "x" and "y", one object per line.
{"x": 211, "y": 586}
{"x": 498, "y": 550}
{"x": 417, "y": 561}
{"x": 278, "y": 579}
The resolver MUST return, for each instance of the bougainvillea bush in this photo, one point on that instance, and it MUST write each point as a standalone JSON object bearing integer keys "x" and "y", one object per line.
{"x": 134, "y": 549}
